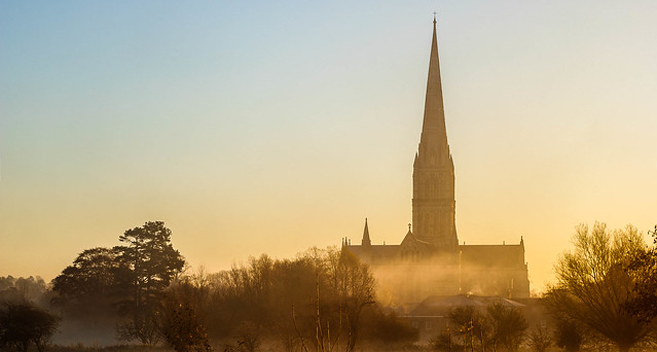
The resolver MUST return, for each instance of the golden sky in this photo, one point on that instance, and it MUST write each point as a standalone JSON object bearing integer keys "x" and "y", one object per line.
{"x": 269, "y": 128}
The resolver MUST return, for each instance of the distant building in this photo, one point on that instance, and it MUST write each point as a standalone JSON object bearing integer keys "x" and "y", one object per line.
{"x": 429, "y": 261}
{"x": 431, "y": 316}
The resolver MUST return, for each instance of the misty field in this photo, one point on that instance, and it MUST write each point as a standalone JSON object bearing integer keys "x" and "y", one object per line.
{"x": 138, "y": 297}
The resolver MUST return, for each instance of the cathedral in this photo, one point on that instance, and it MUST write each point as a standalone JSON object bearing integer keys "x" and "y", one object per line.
{"x": 429, "y": 261}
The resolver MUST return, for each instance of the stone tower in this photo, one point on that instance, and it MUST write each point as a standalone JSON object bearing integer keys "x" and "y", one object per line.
{"x": 434, "y": 205}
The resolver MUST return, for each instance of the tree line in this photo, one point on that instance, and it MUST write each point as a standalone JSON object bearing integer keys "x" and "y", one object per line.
{"x": 605, "y": 296}
{"x": 323, "y": 300}
{"x": 498, "y": 327}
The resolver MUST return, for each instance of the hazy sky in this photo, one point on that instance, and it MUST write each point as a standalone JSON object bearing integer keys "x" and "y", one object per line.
{"x": 256, "y": 127}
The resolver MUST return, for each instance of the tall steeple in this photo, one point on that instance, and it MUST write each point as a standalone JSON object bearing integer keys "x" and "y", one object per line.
{"x": 434, "y": 205}
{"x": 434, "y": 113}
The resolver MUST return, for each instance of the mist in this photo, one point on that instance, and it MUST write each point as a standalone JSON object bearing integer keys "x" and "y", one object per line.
{"x": 150, "y": 152}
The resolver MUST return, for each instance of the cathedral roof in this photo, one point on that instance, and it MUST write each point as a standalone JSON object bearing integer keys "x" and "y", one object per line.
{"x": 438, "y": 305}
{"x": 378, "y": 254}
{"x": 508, "y": 255}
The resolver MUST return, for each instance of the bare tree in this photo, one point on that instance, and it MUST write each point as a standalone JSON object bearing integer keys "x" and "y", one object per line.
{"x": 470, "y": 324}
{"x": 355, "y": 289}
{"x": 314, "y": 302}
{"x": 508, "y": 327}
{"x": 182, "y": 307}
{"x": 540, "y": 339}
{"x": 593, "y": 285}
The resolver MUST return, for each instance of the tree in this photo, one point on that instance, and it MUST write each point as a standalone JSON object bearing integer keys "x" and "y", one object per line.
{"x": 567, "y": 336}
{"x": 91, "y": 285}
{"x": 470, "y": 324}
{"x": 18, "y": 289}
{"x": 182, "y": 326}
{"x": 127, "y": 281}
{"x": 248, "y": 337}
{"x": 315, "y": 301}
{"x": 354, "y": 285}
{"x": 342, "y": 288}
{"x": 22, "y": 324}
{"x": 443, "y": 342}
{"x": 384, "y": 328}
{"x": 644, "y": 272}
{"x": 508, "y": 326}
{"x": 593, "y": 285}
{"x": 152, "y": 265}
{"x": 152, "y": 260}
{"x": 540, "y": 339}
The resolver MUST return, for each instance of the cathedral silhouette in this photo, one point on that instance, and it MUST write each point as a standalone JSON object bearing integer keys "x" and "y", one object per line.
{"x": 429, "y": 261}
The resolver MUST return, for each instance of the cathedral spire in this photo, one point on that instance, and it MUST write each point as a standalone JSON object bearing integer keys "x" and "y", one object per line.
{"x": 366, "y": 236}
{"x": 434, "y": 206}
{"x": 434, "y": 113}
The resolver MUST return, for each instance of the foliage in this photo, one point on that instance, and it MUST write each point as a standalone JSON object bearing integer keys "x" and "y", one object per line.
{"x": 152, "y": 265}
{"x": 443, "y": 342}
{"x": 22, "y": 289}
{"x": 355, "y": 291}
{"x": 125, "y": 281}
{"x": 507, "y": 326}
{"x": 540, "y": 339}
{"x": 567, "y": 336}
{"x": 22, "y": 324}
{"x": 593, "y": 285}
{"x": 183, "y": 331}
{"x": 497, "y": 328}
{"x": 644, "y": 272}
{"x": 182, "y": 326}
{"x": 92, "y": 284}
{"x": 152, "y": 260}
{"x": 471, "y": 326}
{"x": 248, "y": 337}
{"x": 142, "y": 324}
{"x": 382, "y": 326}
{"x": 317, "y": 300}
